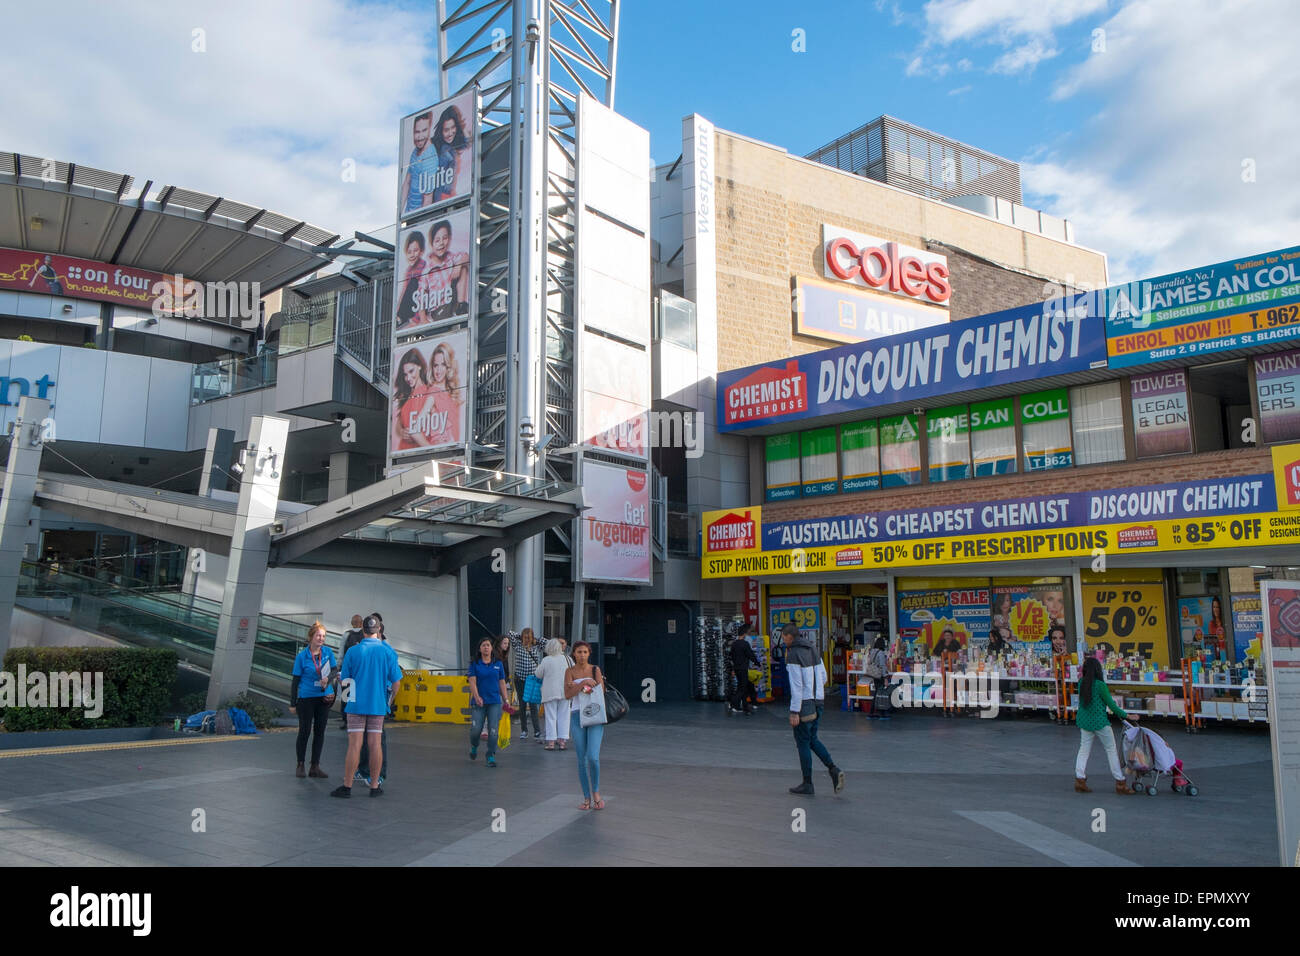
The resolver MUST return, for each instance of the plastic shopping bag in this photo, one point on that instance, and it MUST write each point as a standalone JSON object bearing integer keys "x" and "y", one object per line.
{"x": 503, "y": 732}
{"x": 593, "y": 708}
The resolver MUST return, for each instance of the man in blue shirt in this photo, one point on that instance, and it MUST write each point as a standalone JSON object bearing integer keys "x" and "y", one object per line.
{"x": 370, "y": 676}
{"x": 422, "y": 168}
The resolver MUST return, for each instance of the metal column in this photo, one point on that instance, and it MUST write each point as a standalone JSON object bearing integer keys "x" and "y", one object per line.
{"x": 16, "y": 509}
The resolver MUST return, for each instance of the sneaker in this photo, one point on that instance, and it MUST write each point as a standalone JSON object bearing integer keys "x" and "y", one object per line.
{"x": 837, "y": 778}
{"x": 358, "y": 777}
{"x": 367, "y": 780}
{"x": 491, "y": 761}
{"x": 376, "y": 791}
{"x": 803, "y": 788}
{"x": 473, "y": 753}
{"x": 537, "y": 735}
{"x": 341, "y": 791}
{"x": 381, "y": 779}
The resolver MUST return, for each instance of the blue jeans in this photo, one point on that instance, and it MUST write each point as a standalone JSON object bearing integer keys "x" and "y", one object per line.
{"x": 586, "y": 740}
{"x": 477, "y": 714}
{"x": 805, "y": 739}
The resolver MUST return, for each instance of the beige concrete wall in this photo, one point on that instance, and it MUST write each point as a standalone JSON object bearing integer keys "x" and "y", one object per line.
{"x": 770, "y": 210}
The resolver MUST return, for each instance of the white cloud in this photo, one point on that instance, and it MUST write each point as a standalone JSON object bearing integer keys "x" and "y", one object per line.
{"x": 960, "y": 90}
{"x": 1023, "y": 58}
{"x": 283, "y": 95}
{"x": 953, "y": 20}
{"x": 1189, "y": 89}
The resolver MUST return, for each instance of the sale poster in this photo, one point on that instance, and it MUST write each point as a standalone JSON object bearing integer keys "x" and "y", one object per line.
{"x": 1127, "y": 619}
{"x": 1025, "y": 615}
{"x": 1247, "y": 627}
{"x": 801, "y": 610}
{"x": 924, "y": 616}
{"x": 1201, "y": 627}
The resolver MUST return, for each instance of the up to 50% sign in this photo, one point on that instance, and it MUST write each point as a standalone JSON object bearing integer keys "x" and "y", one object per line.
{"x": 1117, "y": 615}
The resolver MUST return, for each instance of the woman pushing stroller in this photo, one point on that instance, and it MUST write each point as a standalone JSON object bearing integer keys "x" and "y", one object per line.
{"x": 1094, "y": 701}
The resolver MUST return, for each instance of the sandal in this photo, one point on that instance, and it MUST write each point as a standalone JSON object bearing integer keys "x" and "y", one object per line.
{"x": 585, "y": 805}
{"x": 599, "y": 804}
{"x": 564, "y": 745}
{"x": 549, "y": 747}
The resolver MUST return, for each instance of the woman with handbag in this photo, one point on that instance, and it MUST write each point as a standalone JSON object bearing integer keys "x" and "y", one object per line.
{"x": 555, "y": 705}
{"x": 527, "y": 655}
{"x": 878, "y": 670}
{"x": 311, "y": 695}
{"x": 585, "y": 685}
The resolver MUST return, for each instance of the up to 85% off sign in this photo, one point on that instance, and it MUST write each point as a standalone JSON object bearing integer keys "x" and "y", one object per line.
{"x": 1127, "y": 617}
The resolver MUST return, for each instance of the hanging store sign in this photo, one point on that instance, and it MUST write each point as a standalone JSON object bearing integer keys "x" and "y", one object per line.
{"x": 74, "y": 278}
{"x": 885, "y": 266}
{"x": 1016, "y": 345}
{"x": 1185, "y": 516}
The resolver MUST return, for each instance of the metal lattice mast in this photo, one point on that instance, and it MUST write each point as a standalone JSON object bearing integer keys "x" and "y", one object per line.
{"x": 531, "y": 60}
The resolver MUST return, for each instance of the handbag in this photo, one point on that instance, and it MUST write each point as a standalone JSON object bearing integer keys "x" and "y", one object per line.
{"x": 874, "y": 670}
{"x": 615, "y": 704}
{"x": 532, "y": 689}
{"x": 593, "y": 712}
{"x": 808, "y": 706}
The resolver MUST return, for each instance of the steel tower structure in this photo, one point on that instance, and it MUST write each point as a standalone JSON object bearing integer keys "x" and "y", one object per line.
{"x": 531, "y": 59}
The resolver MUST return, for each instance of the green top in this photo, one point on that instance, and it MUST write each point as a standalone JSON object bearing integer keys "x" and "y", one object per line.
{"x": 1093, "y": 716}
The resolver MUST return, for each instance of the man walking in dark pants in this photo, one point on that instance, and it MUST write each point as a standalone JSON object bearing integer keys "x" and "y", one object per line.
{"x": 742, "y": 657}
{"x": 807, "y": 678}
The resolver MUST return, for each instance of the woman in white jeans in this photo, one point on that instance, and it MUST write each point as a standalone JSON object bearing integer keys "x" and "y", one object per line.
{"x": 1094, "y": 700}
{"x": 556, "y": 707}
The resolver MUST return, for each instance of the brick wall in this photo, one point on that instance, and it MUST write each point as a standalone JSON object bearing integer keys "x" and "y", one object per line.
{"x": 1219, "y": 464}
{"x": 770, "y": 210}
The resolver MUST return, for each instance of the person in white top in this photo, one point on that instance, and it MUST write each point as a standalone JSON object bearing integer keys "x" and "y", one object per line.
{"x": 807, "y": 678}
{"x": 556, "y": 706}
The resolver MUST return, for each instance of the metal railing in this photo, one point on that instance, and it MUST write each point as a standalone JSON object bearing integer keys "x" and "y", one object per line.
{"x": 307, "y": 325}
{"x": 231, "y": 376}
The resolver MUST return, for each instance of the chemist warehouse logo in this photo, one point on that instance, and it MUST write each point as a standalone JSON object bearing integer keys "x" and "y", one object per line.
{"x": 1138, "y": 536}
{"x": 848, "y": 558}
{"x": 768, "y": 393}
{"x": 733, "y": 532}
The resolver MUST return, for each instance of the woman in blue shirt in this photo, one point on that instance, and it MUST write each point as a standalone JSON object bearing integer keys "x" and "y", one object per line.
{"x": 487, "y": 689}
{"x": 311, "y": 695}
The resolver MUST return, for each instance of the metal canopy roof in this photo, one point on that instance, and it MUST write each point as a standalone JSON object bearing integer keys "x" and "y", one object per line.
{"x": 440, "y": 515}
{"x": 64, "y": 209}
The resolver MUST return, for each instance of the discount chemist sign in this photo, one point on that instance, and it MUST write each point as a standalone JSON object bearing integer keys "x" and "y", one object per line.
{"x": 1231, "y": 512}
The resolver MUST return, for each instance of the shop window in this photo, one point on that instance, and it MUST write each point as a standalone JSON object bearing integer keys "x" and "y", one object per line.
{"x": 948, "y": 437}
{"x": 860, "y": 456}
{"x": 900, "y": 451}
{"x": 1045, "y": 430}
{"x": 1201, "y": 622}
{"x": 782, "y": 467}
{"x": 1277, "y": 386}
{"x": 819, "y": 462}
{"x": 1220, "y": 404}
{"x": 1097, "y": 412}
{"x": 993, "y": 438}
{"x": 1161, "y": 420}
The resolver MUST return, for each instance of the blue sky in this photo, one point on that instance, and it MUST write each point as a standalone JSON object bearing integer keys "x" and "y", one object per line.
{"x": 1172, "y": 143}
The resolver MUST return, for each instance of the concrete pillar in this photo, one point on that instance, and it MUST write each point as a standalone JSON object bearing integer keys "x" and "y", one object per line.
{"x": 250, "y": 545}
{"x": 342, "y": 478}
{"x": 217, "y": 459}
{"x": 16, "y": 504}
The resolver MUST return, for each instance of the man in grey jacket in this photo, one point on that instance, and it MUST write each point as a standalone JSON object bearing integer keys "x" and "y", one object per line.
{"x": 807, "y": 677}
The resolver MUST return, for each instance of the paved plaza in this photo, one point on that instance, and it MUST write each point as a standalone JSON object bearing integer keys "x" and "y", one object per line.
{"x": 685, "y": 785}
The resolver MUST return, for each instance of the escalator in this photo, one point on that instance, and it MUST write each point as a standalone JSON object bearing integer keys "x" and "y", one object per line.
{"x": 185, "y": 623}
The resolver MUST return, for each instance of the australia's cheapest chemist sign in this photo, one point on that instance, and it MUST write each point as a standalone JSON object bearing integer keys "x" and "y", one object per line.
{"x": 1232, "y": 512}
{"x": 1012, "y": 346}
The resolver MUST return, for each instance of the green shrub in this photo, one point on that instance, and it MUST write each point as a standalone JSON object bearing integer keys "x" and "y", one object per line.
{"x": 137, "y": 686}
{"x": 261, "y": 714}
{"x": 193, "y": 702}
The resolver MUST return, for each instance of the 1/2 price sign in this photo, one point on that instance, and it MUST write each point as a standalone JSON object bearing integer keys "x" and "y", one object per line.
{"x": 1128, "y": 619}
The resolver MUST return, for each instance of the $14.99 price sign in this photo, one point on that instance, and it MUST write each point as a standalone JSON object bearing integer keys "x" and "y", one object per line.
{"x": 1128, "y": 619}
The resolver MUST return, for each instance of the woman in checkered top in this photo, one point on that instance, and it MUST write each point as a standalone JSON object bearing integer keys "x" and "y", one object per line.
{"x": 525, "y": 655}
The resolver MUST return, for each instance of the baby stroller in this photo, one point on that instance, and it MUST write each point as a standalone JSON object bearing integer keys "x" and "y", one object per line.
{"x": 1148, "y": 756}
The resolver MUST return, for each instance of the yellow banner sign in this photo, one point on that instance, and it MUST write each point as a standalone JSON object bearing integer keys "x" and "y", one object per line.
{"x": 1127, "y": 619}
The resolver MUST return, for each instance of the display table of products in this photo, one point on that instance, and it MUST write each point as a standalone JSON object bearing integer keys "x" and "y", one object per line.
{"x": 1220, "y": 691}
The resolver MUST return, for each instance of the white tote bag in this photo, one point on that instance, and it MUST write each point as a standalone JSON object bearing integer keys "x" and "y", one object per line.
{"x": 593, "y": 708}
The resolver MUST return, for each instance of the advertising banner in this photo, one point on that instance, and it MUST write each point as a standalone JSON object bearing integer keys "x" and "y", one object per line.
{"x": 948, "y": 433}
{"x": 801, "y": 610}
{"x": 1045, "y": 417}
{"x": 1281, "y": 600}
{"x": 434, "y": 279}
{"x": 1016, "y": 345}
{"x": 782, "y": 466}
{"x": 1025, "y": 614}
{"x": 1127, "y": 619}
{"x": 841, "y": 313}
{"x": 1247, "y": 627}
{"x": 430, "y": 390}
{"x": 1277, "y": 383}
{"x": 615, "y": 527}
{"x": 1201, "y": 627}
{"x": 1181, "y": 516}
{"x": 1230, "y": 305}
{"x": 993, "y": 438}
{"x": 819, "y": 462}
{"x": 924, "y": 616}
{"x": 435, "y": 157}
{"x": 615, "y": 395}
{"x": 1286, "y": 476}
{"x": 860, "y": 453}
{"x": 900, "y": 451}
{"x": 1161, "y": 423}
{"x": 87, "y": 279}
